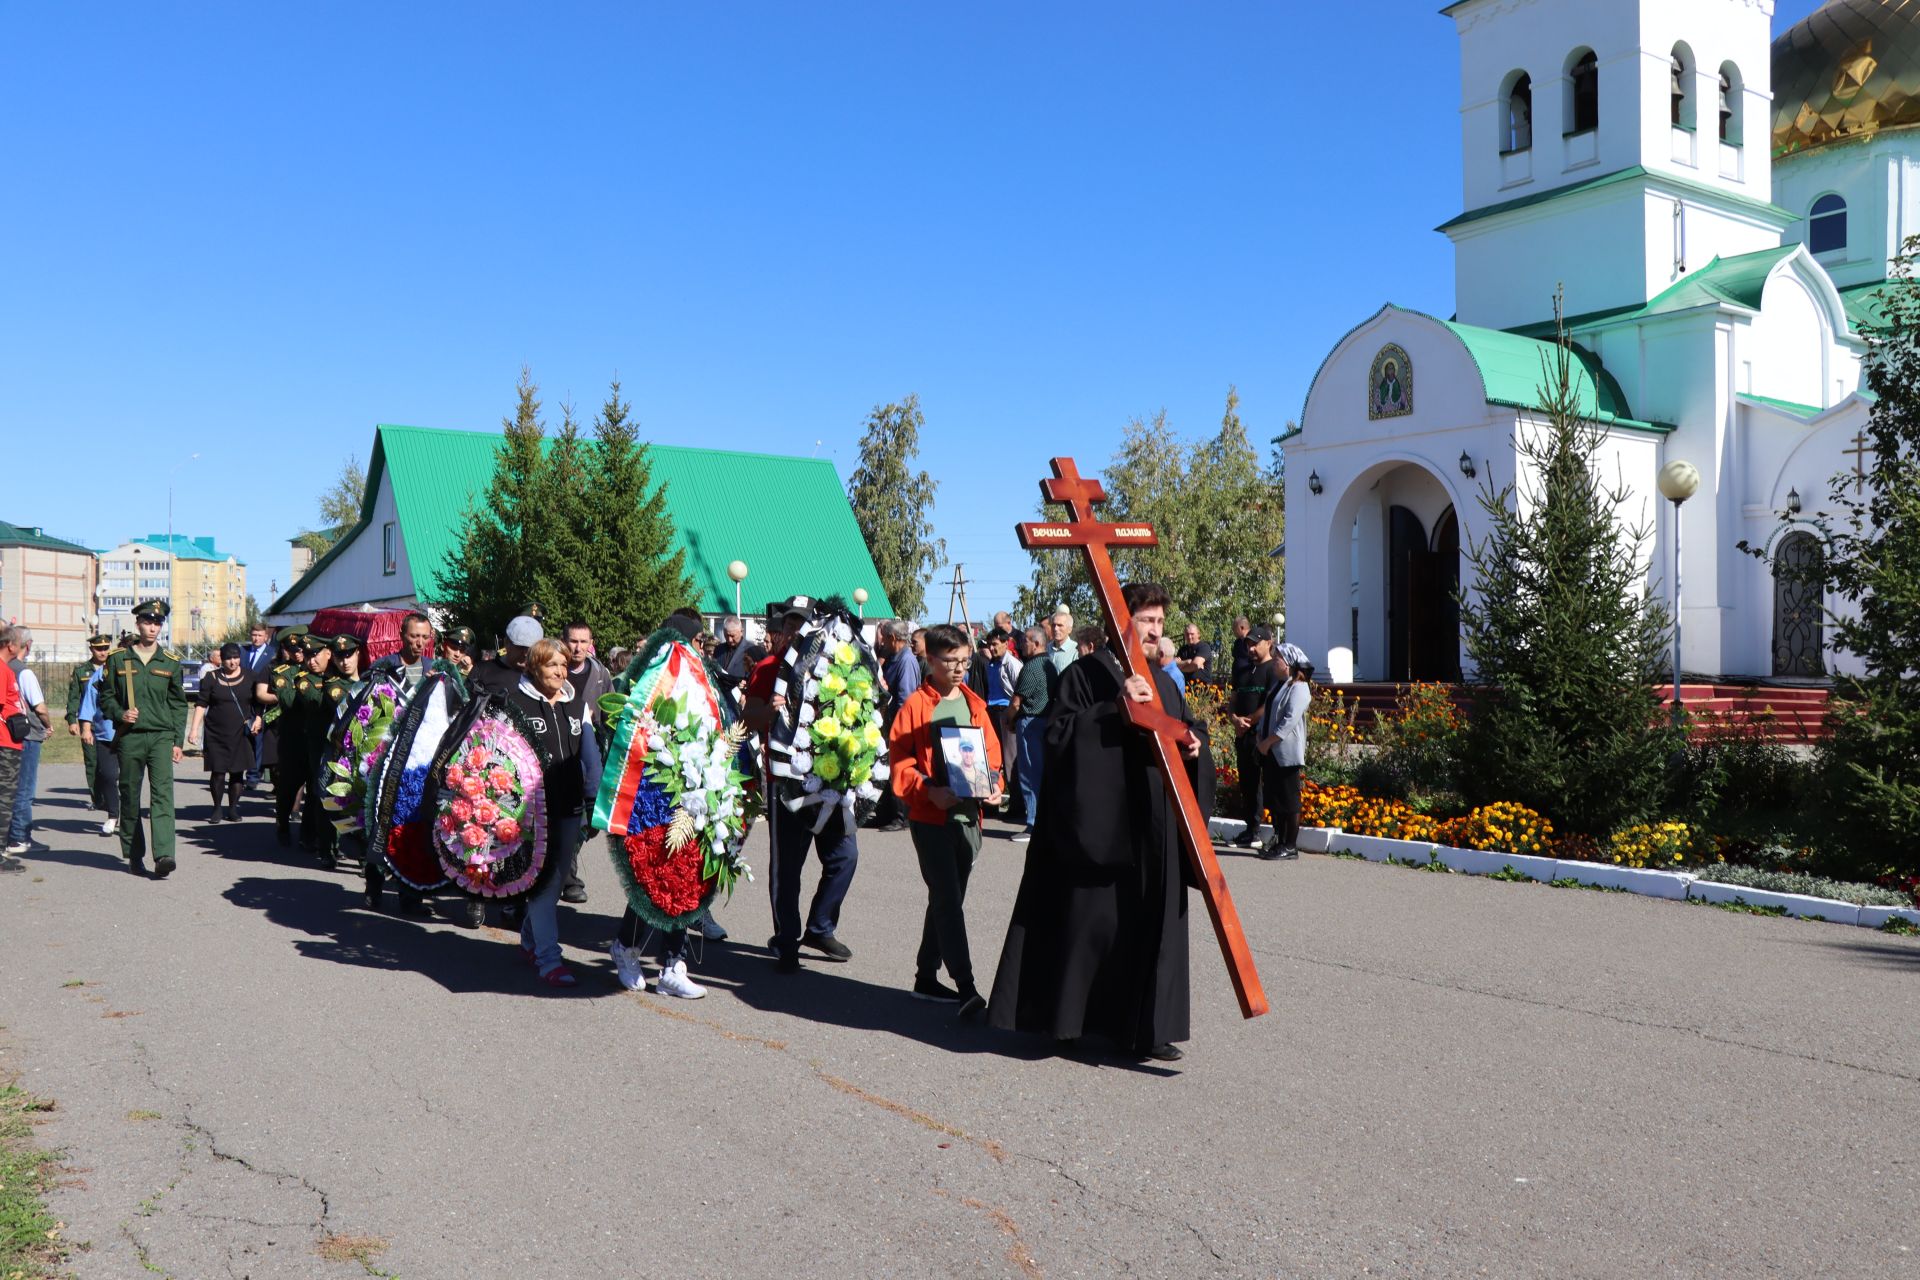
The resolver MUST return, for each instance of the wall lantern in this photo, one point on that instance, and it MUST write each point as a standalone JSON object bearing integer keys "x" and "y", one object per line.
{"x": 1313, "y": 483}
{"x": 1466, "y": 465}
{"x": 1793, "y": 501}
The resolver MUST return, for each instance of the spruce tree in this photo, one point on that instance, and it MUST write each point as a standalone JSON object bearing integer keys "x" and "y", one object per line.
{"x": 1871, "y": 571}
{"x": 638, "y": 576}
{"x": 1565, "y": 636}
{"x": 492, "y": 571}
{"x": 893, "y": 505}
{"x": 1237, "y": 519}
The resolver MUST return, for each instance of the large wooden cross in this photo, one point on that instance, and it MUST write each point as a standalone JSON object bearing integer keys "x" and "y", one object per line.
{"x": 1168, "y": 732}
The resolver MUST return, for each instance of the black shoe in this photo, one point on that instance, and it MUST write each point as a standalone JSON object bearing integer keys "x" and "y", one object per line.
{"x": 1164, "y": 1053}
{"x": 1249, "y": 838}
{"x": 371, "y": 897}
{"x": 787, "y": 962}
{"x": 828, "y": 945}
{"x": 326, "y": 859}
{"x": 412, "y": 904}
{"x": 575, "y": 893}
{"x": 1274, "y": 853}
{"x": 711, "y": 929}
{"x": 935, "y": 990}
{"x": 476, "y": 913}
{"x": 510, "y": 915}
{"x": 162, "y": 868}
{"x": 283, "y": 834}
{"x": 898, "y": 824}
{"x": 216, "y": 817}
{"x": 137, "y": 865}
{"x": 972, "y": 1005}
{"x": 233, "y": 811}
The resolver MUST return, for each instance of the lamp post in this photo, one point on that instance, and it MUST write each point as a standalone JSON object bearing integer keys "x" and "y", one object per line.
{"x": 1678, "y": 482}
{"x": 860, "y": 598}
{"x": 737, "y": 570}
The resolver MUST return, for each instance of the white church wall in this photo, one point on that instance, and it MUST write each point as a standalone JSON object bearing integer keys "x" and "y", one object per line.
{"x": 1498, "y": 39}
{"x": 1715, "y": 33}
{"x": 1363, "y": 467}
{"x": 1507, "y": 267}
{"x": 1782, "y": 350}
{"x": 1878, "y": 178}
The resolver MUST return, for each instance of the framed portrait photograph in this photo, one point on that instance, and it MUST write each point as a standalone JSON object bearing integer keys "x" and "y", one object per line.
{"x": 963, "y": 750}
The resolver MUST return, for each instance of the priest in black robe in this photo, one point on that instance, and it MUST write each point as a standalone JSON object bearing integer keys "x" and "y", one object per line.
{"x": 1098, "y": 942}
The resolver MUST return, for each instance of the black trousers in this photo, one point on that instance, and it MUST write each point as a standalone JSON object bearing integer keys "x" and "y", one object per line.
{"x": 1283, "y": 794}
{"x": 1251, "y": 766}
{"x": 1001, "y": 718}
{"x": 106, "y": 774}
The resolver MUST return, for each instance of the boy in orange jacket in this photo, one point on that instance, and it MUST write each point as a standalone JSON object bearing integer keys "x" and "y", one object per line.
{"x": 944, "y": 822}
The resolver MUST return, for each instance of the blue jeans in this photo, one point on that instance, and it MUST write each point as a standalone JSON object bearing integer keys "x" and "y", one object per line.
{"x": 540, "y": 916}
{"x": 1032, "y": 732}
{"x": 839, "y": 855}
{"x": 20, "y": 827}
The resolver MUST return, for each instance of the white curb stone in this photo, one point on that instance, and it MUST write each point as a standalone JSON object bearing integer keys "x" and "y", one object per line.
{"x": 1481, "y": 862}
{"x": 1320, "y": 839}
{"x": 1796, "y": 904}
{"x": 1874, "y": 917}
{"x": 1653, "y": 884}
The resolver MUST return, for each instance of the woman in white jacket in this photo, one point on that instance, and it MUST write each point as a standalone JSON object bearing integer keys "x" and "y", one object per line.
{"x": 1283, "y": 752}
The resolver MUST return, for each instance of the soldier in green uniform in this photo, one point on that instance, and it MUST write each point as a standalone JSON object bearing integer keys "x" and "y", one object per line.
{"x": 97, "y": 649}
{"x": 303, "y": 714}
{"x": 144, "y": 693}
{"x": 272, "y": 693}
{"x": 343, "y": 681}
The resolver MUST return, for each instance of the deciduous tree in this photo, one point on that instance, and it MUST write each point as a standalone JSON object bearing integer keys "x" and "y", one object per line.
{"x": 893, "y": 504}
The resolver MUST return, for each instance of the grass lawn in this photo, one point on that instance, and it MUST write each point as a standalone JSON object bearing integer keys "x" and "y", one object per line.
{"x": 30, "y": 1246}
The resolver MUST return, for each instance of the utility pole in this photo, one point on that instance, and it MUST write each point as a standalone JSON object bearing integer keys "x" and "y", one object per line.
{"x": 958, "y": 594}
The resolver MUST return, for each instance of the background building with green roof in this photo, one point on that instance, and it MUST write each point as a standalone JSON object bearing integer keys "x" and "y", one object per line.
{"x": 47, "y": 585}
{"x": 787, "y": 518}
{"x": 1715, "y": 214}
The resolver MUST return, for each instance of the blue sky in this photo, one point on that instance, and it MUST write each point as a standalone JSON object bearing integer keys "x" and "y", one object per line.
{"x": 254, "y": 231}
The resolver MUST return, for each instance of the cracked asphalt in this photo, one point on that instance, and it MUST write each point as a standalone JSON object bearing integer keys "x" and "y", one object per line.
{"x": 1459, "y": 1077}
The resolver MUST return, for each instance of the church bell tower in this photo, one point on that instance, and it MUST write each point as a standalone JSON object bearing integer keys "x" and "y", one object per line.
{"x": 1609, "y": 147}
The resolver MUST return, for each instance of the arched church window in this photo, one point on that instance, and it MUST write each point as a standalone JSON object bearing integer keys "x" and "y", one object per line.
{"x": 1679, "y": 73}
{"x": 1583, "y": 81}
{"x": 1827, "y": 224}
{"x": 1516, "y": 127}
{"x": 1729, "y": 105}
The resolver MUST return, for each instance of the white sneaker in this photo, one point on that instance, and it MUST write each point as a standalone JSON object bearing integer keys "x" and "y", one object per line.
{"x": 675, "y": 982}
{"x": 20, "y": 847}
{"x": 111, "y": 827}
{"x": 626, "y": 963}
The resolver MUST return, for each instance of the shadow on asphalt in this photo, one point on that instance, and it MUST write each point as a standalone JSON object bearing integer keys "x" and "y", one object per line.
{"x": 1889, "y": 955}
{"x": 341, "y": 930}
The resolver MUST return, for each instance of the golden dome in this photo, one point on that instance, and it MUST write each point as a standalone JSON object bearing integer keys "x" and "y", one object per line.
{"x": 1851, "y": 69}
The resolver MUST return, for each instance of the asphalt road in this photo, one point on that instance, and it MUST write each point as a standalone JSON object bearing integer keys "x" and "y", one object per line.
{"x": 1459, "y": 1078}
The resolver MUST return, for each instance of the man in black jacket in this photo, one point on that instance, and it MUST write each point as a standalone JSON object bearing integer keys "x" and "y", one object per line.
{"x": 1251, "y": 684}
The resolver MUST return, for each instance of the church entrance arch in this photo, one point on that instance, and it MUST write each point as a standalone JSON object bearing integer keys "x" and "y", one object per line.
{"x": 1395, "y": 574}
{"x": 1799, "y": 623}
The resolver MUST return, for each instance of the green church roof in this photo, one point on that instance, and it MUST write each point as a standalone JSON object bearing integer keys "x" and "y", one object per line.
{"x": 183, "y": 547}
{"x": 788, "y": 518}
{"x": 1514, "y": 367}
{"x": 19, "y": 535}
{"x": 1685, "y": 186}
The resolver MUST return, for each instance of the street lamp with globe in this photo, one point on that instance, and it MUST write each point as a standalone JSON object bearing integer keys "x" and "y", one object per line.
{"x": 860, "y": 598}
{"x": 737, "y": 570}
{"x": 1678, "y": 481}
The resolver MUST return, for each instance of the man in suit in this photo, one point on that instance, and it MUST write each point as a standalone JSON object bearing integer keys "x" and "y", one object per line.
{"x": 256, "y": 659}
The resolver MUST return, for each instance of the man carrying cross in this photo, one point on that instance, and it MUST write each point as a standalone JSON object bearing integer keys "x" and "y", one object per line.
{"x": 1098, "y": 941}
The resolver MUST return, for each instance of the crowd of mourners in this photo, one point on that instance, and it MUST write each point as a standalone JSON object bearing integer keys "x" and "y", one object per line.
{"x": 1097, "y": 941}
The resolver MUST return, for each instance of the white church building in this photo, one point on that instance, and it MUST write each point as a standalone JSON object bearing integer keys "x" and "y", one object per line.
{"x": 1718, "y": 209}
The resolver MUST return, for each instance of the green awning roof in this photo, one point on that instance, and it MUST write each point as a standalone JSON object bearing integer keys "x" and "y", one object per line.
{"x": 788, "y": 518}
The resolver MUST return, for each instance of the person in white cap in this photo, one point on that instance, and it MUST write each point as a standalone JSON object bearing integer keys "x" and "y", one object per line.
{"x": 500, "y": 674}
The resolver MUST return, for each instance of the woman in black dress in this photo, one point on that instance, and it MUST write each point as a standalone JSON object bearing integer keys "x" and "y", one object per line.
{"x": 225, "y": 721}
